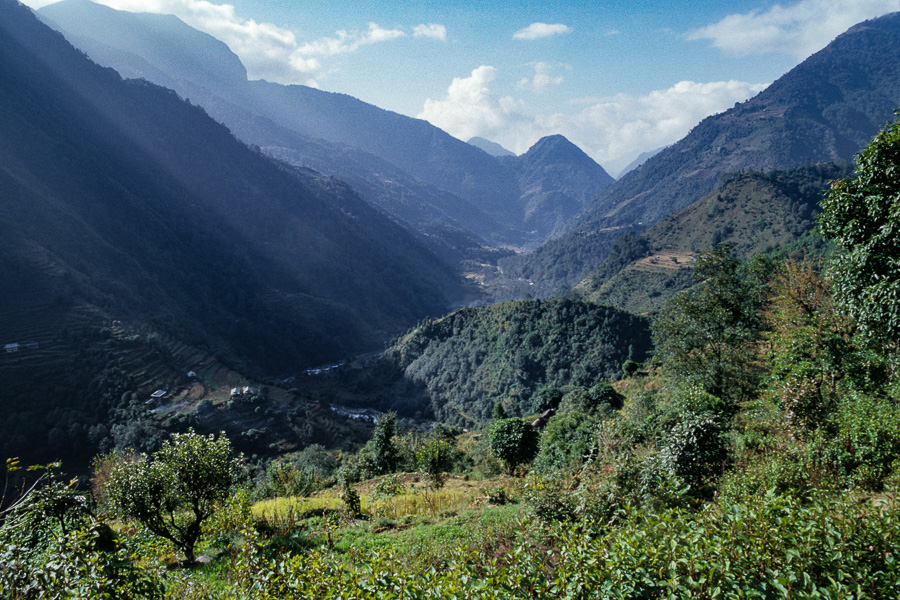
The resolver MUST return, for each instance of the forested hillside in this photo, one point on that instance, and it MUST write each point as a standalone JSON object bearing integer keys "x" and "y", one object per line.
{"x": 475, "y": 358}
{"x": 753, "y": 212}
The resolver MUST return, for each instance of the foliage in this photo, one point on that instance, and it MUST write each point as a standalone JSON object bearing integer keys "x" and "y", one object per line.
{"x": 513, "y": 442}
{"x": 470, "y": 360}
{"x": 174, "y": 490}
{"x": 707, "y": 336}
{"x": 565, "y": 443}
{"x": 861, "y": 214}
{"x": 53, "y": 546}
{"x": 434, "y": 460}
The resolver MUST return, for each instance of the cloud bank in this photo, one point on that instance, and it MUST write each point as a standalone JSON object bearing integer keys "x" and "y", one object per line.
{"x": 613, "y": 130}
{"x": 797, "y": 30}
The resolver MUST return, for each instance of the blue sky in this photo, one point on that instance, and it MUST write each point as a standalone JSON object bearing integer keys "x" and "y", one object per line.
{"x": 616, "y": 77}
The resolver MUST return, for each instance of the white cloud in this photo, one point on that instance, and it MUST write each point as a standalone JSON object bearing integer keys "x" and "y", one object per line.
{"x": 542, "y": 79}
{"x": 797, "y": 30}
{"x": 431, "y": 30}
{"x": 267, "y": 50}
{"x": 615, "y": 130}
{"x": 536, "y": 31}
{"x": 471, "y": 108}
{"x": 612, "y": 130}
{"x": 345, "y": 42}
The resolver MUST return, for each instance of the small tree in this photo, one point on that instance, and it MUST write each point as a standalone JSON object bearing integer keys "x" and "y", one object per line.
{"x": 513, "y": 442}
{"x": 434, "y": 460}
{"x": 174, "y": 490}
{"x": 385, "y": 456}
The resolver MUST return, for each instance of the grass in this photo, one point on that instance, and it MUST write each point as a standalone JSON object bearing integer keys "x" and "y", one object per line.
{"x": 424, "y": 526}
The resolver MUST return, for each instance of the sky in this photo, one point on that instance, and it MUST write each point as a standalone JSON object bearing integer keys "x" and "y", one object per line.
{"x": 616, "y": 77}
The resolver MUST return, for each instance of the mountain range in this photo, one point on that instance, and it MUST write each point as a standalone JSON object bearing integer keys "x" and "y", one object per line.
{"x": 443, "y": 180}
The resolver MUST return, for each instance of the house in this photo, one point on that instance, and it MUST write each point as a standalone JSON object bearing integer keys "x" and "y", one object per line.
{"x": 235, "y": 393}
{"x": 158, "y": 394}
{"x": 11, "y": 347}
{"x": 192, "y": 374}
{"x": 32, "y": 346}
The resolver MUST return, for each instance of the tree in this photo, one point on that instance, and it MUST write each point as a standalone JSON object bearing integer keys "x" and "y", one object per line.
{"x": 385, "y": 457}
{"x": 513, "y": 442}
{"x": 861, "y": 215}
{"x": 174, "y": 490}
{"x": 434, "y": 459}
{"x": 706, "y": 335}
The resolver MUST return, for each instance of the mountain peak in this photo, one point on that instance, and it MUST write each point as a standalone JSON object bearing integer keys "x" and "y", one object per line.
{"x": 556, "y": 147}
{"x": 184, "y": 52}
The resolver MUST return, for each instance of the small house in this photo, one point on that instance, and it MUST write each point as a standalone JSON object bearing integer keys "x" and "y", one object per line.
{"x": 11, "y": 347}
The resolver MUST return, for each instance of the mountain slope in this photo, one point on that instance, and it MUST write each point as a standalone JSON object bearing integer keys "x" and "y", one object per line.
{"x": 121, "y": 202}
{"x": 825, "y": 109}
{"x": 752, "y": 211}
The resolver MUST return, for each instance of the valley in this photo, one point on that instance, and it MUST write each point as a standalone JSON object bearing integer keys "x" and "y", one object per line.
{"x": 261, "y": 340}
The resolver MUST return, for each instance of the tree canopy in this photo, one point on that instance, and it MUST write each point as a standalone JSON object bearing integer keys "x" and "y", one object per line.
{"x": 174, "y": 490}
{"x": 861, "y": 214}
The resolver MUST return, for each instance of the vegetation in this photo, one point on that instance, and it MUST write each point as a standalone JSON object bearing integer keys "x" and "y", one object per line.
{"x": 471, "y": 360}
{"x": 177, "y": 488}
{"x": 754, "y": 454}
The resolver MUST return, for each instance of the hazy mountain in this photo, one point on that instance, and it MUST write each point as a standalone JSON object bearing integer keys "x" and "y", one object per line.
{"x": 120, "y": 202}
{"x": 474, "y": 190}
{"x": 825, "y": 109}
{"x": 641, "y": 159}
{"x": 558, "y": 180}
{"x": 492, "y": 148}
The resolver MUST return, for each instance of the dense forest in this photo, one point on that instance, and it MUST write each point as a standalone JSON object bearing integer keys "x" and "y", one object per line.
{"x": 754, "y": 455}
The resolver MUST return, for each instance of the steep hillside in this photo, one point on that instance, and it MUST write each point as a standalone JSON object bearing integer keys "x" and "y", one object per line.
{"x": 752, "y": 211}
{"x": 121, "y": 202}
{"x": 466, "y": 362}
{"x": 825, "y": 109}
{"x": 475, "y": 190}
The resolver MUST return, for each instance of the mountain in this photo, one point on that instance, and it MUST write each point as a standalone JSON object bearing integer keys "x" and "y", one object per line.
{"x": 558, "y": 180}
{"x": 492, "y": 148}
{"x": 464, "y": 185}
{"x": 130, "y": 217}
{"x": 641, "y": 159}
{"x": 825, "y": 109}
{"x": 752, "y": 211}
{"x": 466, "y": 362}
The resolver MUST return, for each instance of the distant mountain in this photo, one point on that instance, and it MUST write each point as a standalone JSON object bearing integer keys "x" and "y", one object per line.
{"x": 825, "y": 109}
{"x": 558, "y": 180}
{"x": 752, "y": 211}
{"x": 641, "y": 159}
{"x": 449, "y": 178}
{"x": 121, "y": 203}
{"x": 492, "y": 148}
